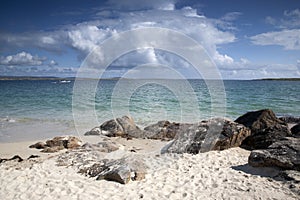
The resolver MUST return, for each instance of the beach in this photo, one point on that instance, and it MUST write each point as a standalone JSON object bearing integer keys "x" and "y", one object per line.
{"x": 211, "y": 175}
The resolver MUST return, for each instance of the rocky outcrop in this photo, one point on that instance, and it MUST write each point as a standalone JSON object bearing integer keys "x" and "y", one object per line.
{"x": 213, "y": 134}
{"x": 296, "y": 130}
{"x": 122, "y": 170}
{"x": 57, "y": 143}
{"x": 164, "y": 130}
{"x": 265, "y": 127}
{"x": 284, "y": 154}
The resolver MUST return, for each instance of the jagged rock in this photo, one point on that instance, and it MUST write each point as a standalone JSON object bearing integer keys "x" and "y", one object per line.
{"x": 38, "y": 145}
{"x": 213, "y": 134}
{"x": 105, "y": 146}
{"x": 94, "y": 131}
{"x": 284, "y": 154}
{"x": 265, "y": 127}
{"x": 164, "y": 130}
{"x": 123, "y": 127}
{"x": 290, "y": 119}
{"x": 296, "y": 130}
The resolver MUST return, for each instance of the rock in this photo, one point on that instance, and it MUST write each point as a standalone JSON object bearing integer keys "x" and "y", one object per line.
{"x": 57, "y": 142}
{"x": 94, "y": 131}
{"x": 52, "y": 149}
{"x": 296, "y": 130}
{"x": 38, "y": 145}
{"x": 123, "y": 127}
{"x": 213, "y": 134}
{"x": 164, "y": 130}
{"x": 32, "y": 157}
{"x": 265, "y": 127}
{"x": 122, "y": 170}
{"x": 290, "y": 119}
{"x": 120, "y": 174}
{"x": 16, "y": 157}
{"x": 73, "y": 142}
{"x": 284, "y": 154}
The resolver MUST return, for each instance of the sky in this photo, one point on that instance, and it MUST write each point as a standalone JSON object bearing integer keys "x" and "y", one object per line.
{"x": 244, "y": 39}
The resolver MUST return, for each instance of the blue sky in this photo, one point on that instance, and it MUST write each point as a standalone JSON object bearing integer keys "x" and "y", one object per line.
{"x": 245, "y": 39}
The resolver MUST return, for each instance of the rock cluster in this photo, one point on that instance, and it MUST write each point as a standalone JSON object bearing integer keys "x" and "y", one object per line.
{"x": 57, "y": 143}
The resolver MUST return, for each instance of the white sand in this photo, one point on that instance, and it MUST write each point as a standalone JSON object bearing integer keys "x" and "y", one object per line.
{"x": 212, "y": 175}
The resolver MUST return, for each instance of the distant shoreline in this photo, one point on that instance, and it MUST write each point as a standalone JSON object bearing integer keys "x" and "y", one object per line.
{"x": 41, "y": 78}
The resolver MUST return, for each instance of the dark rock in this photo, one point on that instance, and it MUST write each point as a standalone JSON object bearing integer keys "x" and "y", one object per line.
{"x": 32, "y": 157}
{"x": 120, "y": 174}
{"x": 164, "y": 130}
{"x": 265, "y": 127}
{"x": 16, "y": 157}
{"x": 122, "y": 127}
{"x": 38, "y": 145}
{"x": 296, "y": 130}
{"x": 290, "y": 119}
{"x": 213, "y": 134}
{"x": 284, "y": 154}
{"x": 94, "y": 131}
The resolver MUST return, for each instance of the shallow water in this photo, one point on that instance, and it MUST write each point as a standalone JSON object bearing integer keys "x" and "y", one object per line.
{"x": 39, "y": 109}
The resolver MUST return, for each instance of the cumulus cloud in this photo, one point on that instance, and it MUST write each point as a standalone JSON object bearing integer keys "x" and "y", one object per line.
{"x": 289, "y": 39}
{"x": 22, "y": 59}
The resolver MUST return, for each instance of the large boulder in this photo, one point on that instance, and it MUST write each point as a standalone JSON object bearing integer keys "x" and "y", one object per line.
{"x": 164, "y": 130}
{"x": 123, "y": 127}
{"x": 265, "y": 127}
{"x": 296, "y": 130}
{"x": 213, "y": 134}
{"x": 284, "y": 154}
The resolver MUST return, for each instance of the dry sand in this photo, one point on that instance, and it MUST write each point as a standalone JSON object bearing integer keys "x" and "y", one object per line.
{"x": 212, "y": 175}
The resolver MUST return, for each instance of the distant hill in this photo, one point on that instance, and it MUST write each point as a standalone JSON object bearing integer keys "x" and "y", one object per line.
{"x": 279, "y": 79}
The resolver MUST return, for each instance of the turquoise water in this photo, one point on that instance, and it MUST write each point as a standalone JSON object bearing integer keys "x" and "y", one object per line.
{"x": 39, "y": 109}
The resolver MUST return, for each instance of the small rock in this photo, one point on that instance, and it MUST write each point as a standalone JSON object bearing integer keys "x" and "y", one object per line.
{"x": 94, "y": 131}
{"x": 38, "y": 145}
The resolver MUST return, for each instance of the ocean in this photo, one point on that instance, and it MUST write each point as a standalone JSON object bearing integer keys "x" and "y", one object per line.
{"x": 38, "y": 109}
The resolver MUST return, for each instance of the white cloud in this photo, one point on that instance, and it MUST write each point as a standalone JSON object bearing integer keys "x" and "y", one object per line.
{"x": 289, "y": 39}
{"x": 22, "y": 59}
{"x": 289, "y": 20}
